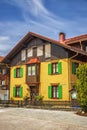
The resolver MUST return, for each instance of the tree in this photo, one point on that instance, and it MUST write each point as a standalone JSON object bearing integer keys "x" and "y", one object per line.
{"x": 81, "y": 86}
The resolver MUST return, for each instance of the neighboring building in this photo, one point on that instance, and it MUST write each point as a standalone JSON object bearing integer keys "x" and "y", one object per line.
{"x": 4, "y": 80}
{"x": 40, "y": 65}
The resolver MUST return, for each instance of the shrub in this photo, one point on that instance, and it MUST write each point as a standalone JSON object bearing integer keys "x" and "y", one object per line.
{"x": 39, "y": 98}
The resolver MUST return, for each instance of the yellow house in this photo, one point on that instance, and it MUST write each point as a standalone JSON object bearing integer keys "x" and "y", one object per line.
{"x": 43, "y": 66}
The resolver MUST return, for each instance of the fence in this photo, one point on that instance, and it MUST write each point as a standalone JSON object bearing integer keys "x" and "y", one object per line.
{"x": 11, "y": 103}
{"x": 64, "y": 105}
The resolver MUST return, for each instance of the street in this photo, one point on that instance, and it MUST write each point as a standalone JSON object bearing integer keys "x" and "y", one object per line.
{"x": 36, "y": 119}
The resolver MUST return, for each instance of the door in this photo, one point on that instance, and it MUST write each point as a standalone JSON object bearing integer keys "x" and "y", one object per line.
{"x": 33, "y": 92}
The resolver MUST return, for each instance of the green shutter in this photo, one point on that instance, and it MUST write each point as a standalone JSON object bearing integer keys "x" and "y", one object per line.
{"x": 60, "y": 91}
{"x": 15, "y": 73}
{"x": 49, "y": 69}
{"x": 21, "y": 91}
{"x": 49, "y": 91}
{"x": 21, "y": 72}
{"x": 14, "y": 91}
{"x": 59, "y": 67}
{"x": 73, "y": 68}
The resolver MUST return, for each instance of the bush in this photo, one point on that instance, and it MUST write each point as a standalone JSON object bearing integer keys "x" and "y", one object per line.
{"x": 39, "y": 98}
{"x": 82, "y": 86}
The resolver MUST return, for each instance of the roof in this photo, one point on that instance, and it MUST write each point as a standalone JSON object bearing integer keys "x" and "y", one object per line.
{"x": 30, "y": 35}
{"x": 1, "y": 58}
{"x": 33, "y": 60}
{"x": 76, "y": 39}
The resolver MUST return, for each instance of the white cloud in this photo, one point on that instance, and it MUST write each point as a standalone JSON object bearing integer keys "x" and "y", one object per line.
{"x": 3, "y": 38}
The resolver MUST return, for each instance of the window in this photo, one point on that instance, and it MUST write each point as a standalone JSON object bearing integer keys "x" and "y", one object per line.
{"x": 74, "y": 67}
{"x": 31, "y": 70}
{"x": 3, "y": 82}
{"x": 23, "y": 55}
{"x": 29, "y": 52}
{"x": 55, "y": 68}
{"x": 17, "y": 91}
{"x": 47, "y": 51}
{"x": 40, "y": 51}
{"x": 3, "y": 71}
{"x": 55, "y": 91}
{"x": 18, "y": 72}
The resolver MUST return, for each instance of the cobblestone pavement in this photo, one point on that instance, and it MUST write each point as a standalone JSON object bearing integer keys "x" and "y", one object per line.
{"x": 36, "y": 119}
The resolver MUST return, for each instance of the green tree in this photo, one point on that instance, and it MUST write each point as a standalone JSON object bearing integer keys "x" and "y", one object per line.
{"x": 81, "y": 86}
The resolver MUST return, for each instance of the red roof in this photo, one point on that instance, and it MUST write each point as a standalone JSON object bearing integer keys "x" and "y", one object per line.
{"x": 1, "y": 58}
{"x": 29, "y": 36}
{"x": 74, "y": 39}
{"x": 33, "y": 60}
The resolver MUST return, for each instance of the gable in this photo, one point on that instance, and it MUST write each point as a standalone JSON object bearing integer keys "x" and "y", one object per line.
{"x": 33, "y": 40}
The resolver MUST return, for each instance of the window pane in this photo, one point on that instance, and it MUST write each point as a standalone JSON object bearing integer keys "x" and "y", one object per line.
{"x": 55, "y": 92}
{"x": 3, "y": 71}
{"x": 29, "y": 52}
{"x": 47, "y": 50}
{"x": 3, "y": 82}
{"x": 29, "y": 70}
{"x": 17, "y": 91}
{"x": 40, "y": 51}
{"x": 18, "y": 72}
{"x": 53, "y": 68}
{"x": 33, "y": 70}
{"x": 23, "y": 55}
{"x": 56, "y": 67}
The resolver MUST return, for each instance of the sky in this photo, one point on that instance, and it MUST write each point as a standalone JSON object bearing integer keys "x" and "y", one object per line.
{"x": 45, "y": 17}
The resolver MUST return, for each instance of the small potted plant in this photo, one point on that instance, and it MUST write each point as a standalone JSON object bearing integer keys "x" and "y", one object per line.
{"x": 39, "y": 99}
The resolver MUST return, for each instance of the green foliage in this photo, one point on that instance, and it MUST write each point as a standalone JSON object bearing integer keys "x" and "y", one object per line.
{"x": 39, "y": 98}
{"x": 81, "y": 86}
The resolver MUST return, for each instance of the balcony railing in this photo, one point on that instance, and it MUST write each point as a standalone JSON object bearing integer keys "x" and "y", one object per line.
{"x": 4, "y": 87}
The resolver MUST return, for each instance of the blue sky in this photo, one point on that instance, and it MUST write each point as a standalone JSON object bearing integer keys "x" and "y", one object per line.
{"x": 46, "y": 17}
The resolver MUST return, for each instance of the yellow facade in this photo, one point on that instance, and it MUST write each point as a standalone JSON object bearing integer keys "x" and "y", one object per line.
{"x": 18, "y": 81}
{"x": 46, "y": 80}
{"x": 66, "y": 79}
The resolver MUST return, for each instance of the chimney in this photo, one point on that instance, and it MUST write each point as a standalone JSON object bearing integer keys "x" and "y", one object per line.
{"x": 61, "y": 37}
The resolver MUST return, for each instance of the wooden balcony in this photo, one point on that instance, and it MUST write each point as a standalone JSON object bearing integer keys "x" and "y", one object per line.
{"x": 4, "y": 87}
{"x": 33, "y": 79}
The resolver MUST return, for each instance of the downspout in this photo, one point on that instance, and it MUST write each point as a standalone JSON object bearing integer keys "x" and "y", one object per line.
{"x": 69, "y": 74}
{"x": 74, "y": 56}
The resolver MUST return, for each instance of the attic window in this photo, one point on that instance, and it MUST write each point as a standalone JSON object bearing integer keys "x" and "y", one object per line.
{"x": 23, "y": 55}
{"x": 29, "y": 52}
{"x": 47, "y": 50}
{"x": 40, "y": 51}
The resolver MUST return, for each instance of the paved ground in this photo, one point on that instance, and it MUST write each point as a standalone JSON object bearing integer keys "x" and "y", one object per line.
{"x": 35, "y": 119}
